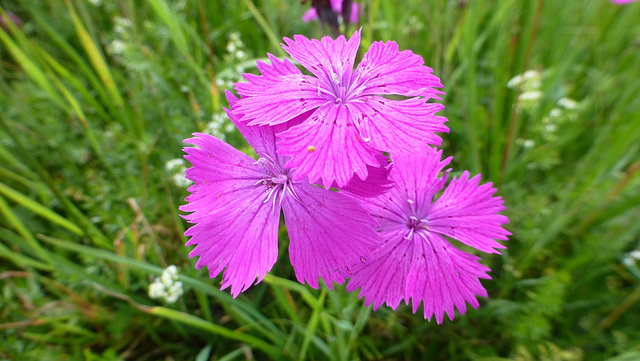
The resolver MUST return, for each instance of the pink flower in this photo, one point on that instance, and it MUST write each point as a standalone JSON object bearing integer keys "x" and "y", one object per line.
{"x": 622, "y": 1}
{"x": 236, "y": 202}
{"x": 350, "y": 117}
{"x": 416, "y": 261}
{"x": 336, "y": 7}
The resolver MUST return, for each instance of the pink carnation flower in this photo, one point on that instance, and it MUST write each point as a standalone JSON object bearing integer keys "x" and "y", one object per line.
{"x": 236, "y": 202}
{"x": 416, "y": 261}
{"x": 350, "y": 117}
{"x": 622, "y": 1}
{"x": 336, "y": 6}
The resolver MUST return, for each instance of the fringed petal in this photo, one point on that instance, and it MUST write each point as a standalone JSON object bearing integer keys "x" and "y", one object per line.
{"x": 382, "y": 279}
{"x": 328, "y": 233}
{"x": 386, "y": 70}
{"x": 399, "y": 125}
{"x": 234, "y": 227}
{"x": 328, "y": 59}
{"x": 443, "y": 277}
{"x": 468, "y": 212}
{"x": 280, "y": 94}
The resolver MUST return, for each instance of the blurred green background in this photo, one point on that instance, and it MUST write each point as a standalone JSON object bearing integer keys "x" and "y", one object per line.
{"x": 543, "y": 99}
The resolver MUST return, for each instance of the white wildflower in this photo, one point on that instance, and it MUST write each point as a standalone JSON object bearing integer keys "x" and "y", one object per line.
{"x": 530, "y": 96}
{"x": 167, "y": 286}
{"x": 121, "y": 25}
{"x": 116, "y": 47}
{"x": 177, "y": 168}
{"x": 515, "y": 82}
{"x": 568, "y": 103}
{"x": 174, "y": 164}
{"x": 555, "y": 113}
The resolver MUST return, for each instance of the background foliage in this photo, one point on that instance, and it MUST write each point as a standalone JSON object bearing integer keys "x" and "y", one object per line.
{"x": 97, "y": 96}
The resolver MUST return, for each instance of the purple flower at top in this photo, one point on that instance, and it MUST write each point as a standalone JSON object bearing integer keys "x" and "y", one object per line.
{"x": 236, "y": 202}
{"x": 336, "y": 7}
{"x": 351, "y": 116}
{"x": 416, "y": 261}
{"x": 622, "y": 1}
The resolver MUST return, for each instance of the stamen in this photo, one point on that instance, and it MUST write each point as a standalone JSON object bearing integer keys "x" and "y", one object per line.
{"x": 335, "y": 78}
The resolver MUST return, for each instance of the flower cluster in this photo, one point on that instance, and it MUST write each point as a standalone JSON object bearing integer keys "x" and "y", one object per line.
{"x": 529, "y": 85}
{"x": 167, "y": 287}
{"x": 352, "y": 215}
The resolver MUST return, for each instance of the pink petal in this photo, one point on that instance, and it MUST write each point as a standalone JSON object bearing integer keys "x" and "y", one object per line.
{"x": 382, "y": 279}
{"x": 377, "y": 181}
{"x": 441, "y": 276}
{"x": 325, "y": 57}
{"x": 281, "y": 93}
{"x": 235, "y": 229}
{"x": 261, "y": 138}
{"x": 328, "y": 233}
{"x": 309, "y": 15}
{"x": 416, "y": 176}
{"x": 355, "y": 10}
{"x": 386, "y": 70}
{"x": 220, "y": 173}
{"x": 399, "y": 125}
{"x": 467, "y": 212}
{"x": 326, "y": 146}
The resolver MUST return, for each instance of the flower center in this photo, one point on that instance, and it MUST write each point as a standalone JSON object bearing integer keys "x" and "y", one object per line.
{"x": 340, "y": 89}
{"x": 276, "y": 180}
{"x": 414, "y": 224}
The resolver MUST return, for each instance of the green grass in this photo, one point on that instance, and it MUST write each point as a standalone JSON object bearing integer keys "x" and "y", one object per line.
{"x": 95, "y": 100}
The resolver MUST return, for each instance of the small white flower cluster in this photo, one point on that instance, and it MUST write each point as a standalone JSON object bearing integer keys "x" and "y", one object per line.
{"x": 563, "y": 112}
{"x": 631, "y": 258}
{"x": 235, "y": 48}
{"x": 177, "y": 167}
{"x": 95, "y": 2}
{"x": 526, "y": 143}
{"x": 232, "y": 72}
{"x": 529, "y": 83}
{"x": 219, "y": 126}
{"x": 122, "y": 30}
{"x": 167, "y": 287}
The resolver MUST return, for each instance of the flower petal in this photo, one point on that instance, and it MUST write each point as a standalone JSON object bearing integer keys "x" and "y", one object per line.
{"x": 377, "y": 181}
{"x": 326, "y": 146}
{"x": 220, "y": 173}
{"x": 261, "y": 138}
{"x": 309, "y": 15}
{"x": 382, "y": 280}
{"x": 234, "y": 227}
{"x": 328, "y": 233}
{"x": 281, "y": 93}
{"x": 469, "y": 213}
{"x": 386, "y": 70}
{"x": 416, "y": 176}
{"x": 325, "y": 58}
{"x": 441, "y": 276}
{"x": 399, "y": 126}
